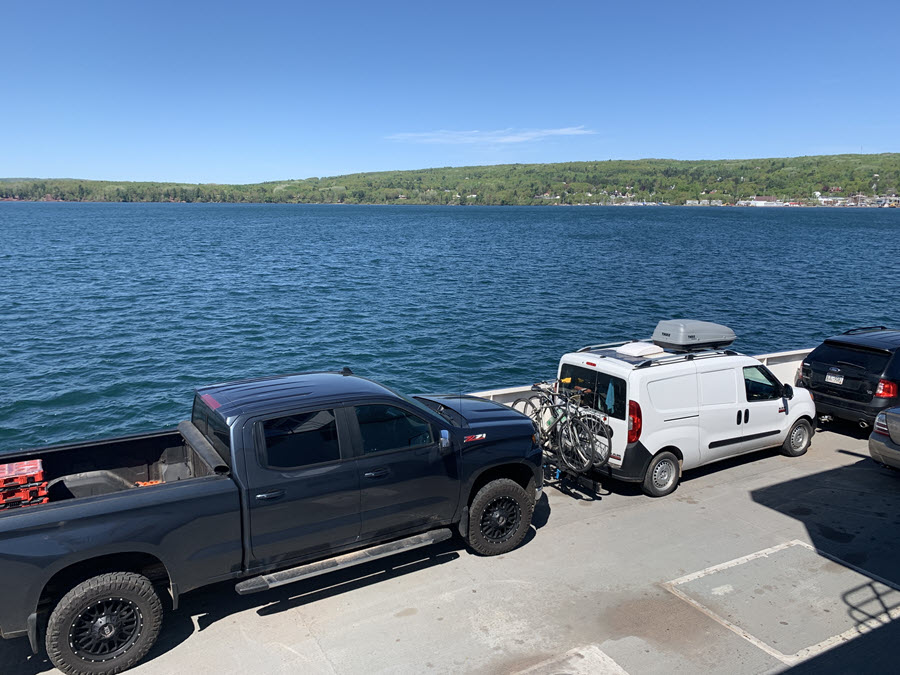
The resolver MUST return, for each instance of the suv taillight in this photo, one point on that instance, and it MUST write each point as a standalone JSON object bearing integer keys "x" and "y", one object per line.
{"x": 880, "y": 426}
{"x": 886, "y": 389}
{"x": 635, "y": 421}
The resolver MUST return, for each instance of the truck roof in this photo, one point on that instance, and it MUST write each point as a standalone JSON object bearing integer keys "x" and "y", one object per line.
{"x": 269, "y": 393}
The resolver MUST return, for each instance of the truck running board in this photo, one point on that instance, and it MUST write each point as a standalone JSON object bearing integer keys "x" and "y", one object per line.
{"x": 266, "y": 581}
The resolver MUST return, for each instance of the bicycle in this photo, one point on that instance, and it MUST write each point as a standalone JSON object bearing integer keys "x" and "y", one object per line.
{"x": 571, "y": 432}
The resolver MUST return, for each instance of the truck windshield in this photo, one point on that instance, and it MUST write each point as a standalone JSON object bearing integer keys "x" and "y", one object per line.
{"x": 213, "y": 428}
{"x": 599, "y": 391}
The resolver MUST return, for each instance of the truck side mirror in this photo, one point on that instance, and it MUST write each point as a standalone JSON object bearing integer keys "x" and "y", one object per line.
{"x": 445, "y": 445}
{"x": 788, "y": 392}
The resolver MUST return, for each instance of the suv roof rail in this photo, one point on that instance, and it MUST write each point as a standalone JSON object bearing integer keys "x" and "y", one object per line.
{"x": 687, "y": 356}
{"x": 864, "y": 329}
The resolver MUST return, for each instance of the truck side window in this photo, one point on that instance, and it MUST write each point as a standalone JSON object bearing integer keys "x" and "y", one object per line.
{"x": 387, "y": 427}
{"x": 301, "y": 439}
{"x": 760, "y": 385}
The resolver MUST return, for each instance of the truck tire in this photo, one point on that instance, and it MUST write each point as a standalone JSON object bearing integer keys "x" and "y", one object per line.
{"x": 662, "y": 475}
{"x": 499, "y": 517}
{"x": 798, "y": 439}
{"x": 104, "y": 625}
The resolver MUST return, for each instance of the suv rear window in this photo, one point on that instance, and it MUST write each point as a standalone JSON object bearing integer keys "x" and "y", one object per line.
{"x": 600, "y": 391}
{"x": 833, "y": 353}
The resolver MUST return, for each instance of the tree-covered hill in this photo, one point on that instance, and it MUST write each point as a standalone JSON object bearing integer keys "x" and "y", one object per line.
{"x": 657, "y": 180}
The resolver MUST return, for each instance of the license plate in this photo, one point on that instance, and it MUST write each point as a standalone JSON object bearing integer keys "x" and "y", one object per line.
{"x": 834, "y": 379}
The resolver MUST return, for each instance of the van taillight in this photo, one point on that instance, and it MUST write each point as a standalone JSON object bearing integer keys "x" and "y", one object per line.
{"x": 635, "y": 421}
{"x": 886, "y": 389}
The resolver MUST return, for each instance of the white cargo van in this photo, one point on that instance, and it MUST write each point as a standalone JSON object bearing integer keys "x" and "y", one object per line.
{"x": 680, "y": 401}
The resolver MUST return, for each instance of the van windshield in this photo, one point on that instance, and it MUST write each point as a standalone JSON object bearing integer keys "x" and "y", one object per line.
{"x": 599, "y": 391}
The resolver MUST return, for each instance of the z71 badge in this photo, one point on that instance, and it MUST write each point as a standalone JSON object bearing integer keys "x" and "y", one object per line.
{"x": 476, "y": 437}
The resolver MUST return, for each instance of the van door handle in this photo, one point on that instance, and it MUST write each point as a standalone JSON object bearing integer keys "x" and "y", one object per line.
{"x": 739, "y": 417}
{"x": 376, "y": 473}
{"x": 746, "y": 415}
{"x": 273, "y": 494}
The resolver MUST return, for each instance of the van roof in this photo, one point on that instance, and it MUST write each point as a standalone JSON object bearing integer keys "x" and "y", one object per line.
{"x": 662, "y": 358}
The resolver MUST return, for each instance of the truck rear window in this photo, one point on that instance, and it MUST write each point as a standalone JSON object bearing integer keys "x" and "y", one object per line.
{"x": 599, "y": 391}
{"x": 213, "y": 428}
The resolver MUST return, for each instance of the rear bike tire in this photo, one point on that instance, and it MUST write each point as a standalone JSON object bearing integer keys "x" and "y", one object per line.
{"x": 574, "y": 447}
{"x": 601, "y": 436}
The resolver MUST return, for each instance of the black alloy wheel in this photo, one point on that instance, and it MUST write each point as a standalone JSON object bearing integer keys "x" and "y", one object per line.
{"x": 105, "y": 625}
{"x": 106, "y": 629}
{"x": 500, "y": 516}
{"x": 500, "y": 519}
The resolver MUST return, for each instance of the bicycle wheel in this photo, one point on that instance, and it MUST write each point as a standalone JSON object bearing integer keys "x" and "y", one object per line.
{"x": 527, "y": 407}
{"x": 600, "y": 439}
{"x": 574, "y": 446}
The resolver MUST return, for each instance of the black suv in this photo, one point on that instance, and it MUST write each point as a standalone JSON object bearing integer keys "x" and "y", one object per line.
{"x": 854, "y": 375}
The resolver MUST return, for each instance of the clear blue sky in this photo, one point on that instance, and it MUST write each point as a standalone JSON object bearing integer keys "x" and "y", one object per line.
{"x": 252, "y": 91}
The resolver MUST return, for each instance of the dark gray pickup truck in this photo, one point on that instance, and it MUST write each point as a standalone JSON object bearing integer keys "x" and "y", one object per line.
{"x": 273, "y": 480}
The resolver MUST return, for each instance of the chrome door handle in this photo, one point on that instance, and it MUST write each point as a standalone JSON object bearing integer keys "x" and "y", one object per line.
{"x": 273, "y": 494}
{"x": 377, "y": 473}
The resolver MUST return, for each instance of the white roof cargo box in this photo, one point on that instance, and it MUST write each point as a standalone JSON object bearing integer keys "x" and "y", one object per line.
{"x": 685, "y": 335}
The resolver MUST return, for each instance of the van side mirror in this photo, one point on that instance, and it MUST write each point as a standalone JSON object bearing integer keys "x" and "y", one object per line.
{"x": 788, "y": 392}
{"x": 444, "y": 443}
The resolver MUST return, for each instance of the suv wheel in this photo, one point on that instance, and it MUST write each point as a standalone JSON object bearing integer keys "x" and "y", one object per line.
{"x": 798, "y": 438}
{"x": 499, "y": 517}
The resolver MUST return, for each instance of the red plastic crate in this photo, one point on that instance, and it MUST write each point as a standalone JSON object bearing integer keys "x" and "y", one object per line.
{"x": 18, "y": 504}
{"x": 20, "y": 494}
{"x": 21, "y": 473}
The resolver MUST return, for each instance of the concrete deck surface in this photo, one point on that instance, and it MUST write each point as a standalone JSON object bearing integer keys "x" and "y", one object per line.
{"x": 758, "y": 564}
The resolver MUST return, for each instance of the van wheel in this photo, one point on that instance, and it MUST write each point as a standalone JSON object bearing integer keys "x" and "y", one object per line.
{"x": 499, "y": 517}
{"x": 104, "y": 625}
{"x": 798, "y": 439}
{"x": 662, "y": 475}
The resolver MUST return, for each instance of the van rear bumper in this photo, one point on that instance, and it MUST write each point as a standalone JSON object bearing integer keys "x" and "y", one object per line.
{"x": 634, "y": 464}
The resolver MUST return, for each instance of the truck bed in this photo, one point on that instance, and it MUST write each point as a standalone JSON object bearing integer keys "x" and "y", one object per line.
{"x": 102, "y": 467}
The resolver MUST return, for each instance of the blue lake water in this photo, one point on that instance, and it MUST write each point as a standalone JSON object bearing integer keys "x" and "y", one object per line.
{"x": 112, "y": 313}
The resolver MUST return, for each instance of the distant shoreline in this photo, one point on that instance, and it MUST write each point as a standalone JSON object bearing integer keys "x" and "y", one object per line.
{"x": 406, "y": 204}
{"x": 826, "y": 180}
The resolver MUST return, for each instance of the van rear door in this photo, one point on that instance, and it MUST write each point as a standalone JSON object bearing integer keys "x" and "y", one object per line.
{"x": 603, "y": 392}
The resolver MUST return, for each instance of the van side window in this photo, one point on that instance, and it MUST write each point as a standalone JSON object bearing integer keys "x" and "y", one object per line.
{"x": 301, "y": 439}
{"x": 760, "y": 385}
{"x": 387, "y": 427}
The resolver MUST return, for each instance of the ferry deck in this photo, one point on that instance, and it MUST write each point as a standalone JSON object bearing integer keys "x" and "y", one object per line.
{"x": 759, "y": 564}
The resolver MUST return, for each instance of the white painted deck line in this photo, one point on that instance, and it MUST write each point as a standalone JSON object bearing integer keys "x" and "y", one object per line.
{"x": 788, "y": 659}
{"x": 589, "y": 660}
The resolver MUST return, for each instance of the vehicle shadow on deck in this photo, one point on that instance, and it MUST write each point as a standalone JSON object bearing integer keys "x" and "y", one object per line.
{"x": 852, "y": 515}
{"x": 217, "y": 602}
